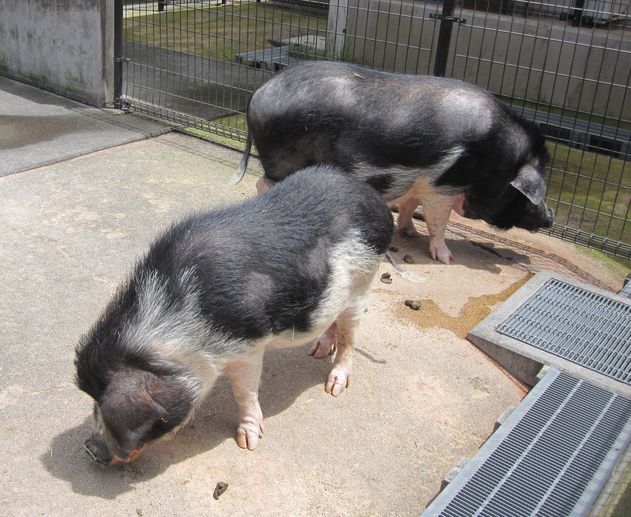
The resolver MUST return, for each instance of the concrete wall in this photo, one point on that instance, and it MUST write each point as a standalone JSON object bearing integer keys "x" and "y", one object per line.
{"x": 540, "y": 60}
{"x": 65, "y": 46}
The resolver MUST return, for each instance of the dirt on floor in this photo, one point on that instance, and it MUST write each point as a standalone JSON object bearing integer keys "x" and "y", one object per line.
{"x": 421, "y": 398}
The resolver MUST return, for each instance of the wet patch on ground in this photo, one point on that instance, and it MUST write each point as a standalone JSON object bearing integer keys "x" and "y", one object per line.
{"x": 474, "y": 311}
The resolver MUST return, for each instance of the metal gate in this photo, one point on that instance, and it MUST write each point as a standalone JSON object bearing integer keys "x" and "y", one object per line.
{"x": 566, "y": 64}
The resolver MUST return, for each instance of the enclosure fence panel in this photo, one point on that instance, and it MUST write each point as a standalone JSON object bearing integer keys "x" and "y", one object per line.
{"x": 565, "y": 64}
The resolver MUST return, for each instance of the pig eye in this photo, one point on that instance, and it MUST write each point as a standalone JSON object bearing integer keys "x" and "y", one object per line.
{"x": 161, "y": 427}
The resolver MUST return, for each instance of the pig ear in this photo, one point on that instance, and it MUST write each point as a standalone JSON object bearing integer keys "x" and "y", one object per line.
{"x": 530, "y": 183}
{"x": 130, "y": 439}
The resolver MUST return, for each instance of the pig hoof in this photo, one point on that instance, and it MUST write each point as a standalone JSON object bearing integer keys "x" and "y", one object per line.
{"x": 264, "y": 184}
{"x": 322, "y": 347}
{"x": 261, "y": 186}
{"x": 337, "y": 382}
{"x": 248, "y": 434}
{"x": 441, "y": 253}
{"x": 409, "y": 229}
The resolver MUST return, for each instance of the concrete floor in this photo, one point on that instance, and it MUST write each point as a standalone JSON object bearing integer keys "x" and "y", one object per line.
{"x": 422, "y": 396}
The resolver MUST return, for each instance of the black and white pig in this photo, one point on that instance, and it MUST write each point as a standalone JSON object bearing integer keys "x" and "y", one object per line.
{"x": 425, "y": 140}
{"x": 291, "y": 266}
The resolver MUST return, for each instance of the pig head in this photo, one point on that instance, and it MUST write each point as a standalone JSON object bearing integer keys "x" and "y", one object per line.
{"x": 521, "y": 203}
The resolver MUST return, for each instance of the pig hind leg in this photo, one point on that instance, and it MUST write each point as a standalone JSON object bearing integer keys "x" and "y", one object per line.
{"x": 324, "y": 346}
{"x": 264, "y": 184}
{"x": 407, "y": 204}
{"x": 245, "y": 376}
{"x": 283, "y": 161}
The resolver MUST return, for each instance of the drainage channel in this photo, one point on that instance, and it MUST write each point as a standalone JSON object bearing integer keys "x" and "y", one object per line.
{"x": 552, "y": 455}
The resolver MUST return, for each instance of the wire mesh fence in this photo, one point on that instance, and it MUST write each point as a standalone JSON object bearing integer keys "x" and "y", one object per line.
{"x": 565, "y": 64}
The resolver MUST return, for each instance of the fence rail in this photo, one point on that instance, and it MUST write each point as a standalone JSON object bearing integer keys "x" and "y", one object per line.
{"x": 564, "y": 64}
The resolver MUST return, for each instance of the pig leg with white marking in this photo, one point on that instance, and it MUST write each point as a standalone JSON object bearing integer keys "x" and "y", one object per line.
{"x": 436, "y": 209}
{"x": 244, "y": 374}
{"x": 345, "y": 331}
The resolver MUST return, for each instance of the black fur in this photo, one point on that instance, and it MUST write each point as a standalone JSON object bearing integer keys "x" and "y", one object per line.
{"x": 358, "y": 118}
{"x": 257, "y": 268}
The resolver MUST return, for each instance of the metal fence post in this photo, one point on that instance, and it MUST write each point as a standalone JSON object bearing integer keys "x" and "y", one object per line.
{"x": 118, "y": 53}
{"x": 336, "y": 29}
{"x": 444, "y": 37}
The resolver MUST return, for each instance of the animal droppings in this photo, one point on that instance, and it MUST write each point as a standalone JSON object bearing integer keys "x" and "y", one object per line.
{"x": 408, "y": 259}
{"x": 386, "y": 278}
{"x": 415, "y": 305}
{"x": 220, "y": 489}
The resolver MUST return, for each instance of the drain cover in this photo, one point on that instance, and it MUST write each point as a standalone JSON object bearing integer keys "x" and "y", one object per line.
{"x": 582, "y": 326}
{"x": 568, "y": 325}
{"x": 551, "y": 456}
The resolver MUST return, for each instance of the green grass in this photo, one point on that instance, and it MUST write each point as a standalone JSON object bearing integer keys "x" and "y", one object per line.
{"x": 565, "y": 112}
{"x": 222, "y": 32}
{"x": 618, "y": 265}
{"x": 592, "y": 191}
{"x": 588, "y": 191}
{"x": 232, "y": 121}
{"x": 214, "y": 137}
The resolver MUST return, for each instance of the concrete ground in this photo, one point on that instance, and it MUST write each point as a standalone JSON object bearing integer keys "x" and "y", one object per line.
{"x": 422, "y": 397}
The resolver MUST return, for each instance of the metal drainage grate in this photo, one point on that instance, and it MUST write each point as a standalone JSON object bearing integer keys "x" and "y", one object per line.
{"x": 551, "y": 456}
{"x": 581, "y": 326}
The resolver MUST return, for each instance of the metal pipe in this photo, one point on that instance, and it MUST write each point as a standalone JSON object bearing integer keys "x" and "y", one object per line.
{"x": 118, "y": 53}
{"x": 444, "y": 37}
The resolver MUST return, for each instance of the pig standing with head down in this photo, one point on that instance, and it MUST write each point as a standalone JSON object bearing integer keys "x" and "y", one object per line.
{"x": 291, "y": 266}
{"x": 417, "y": 140}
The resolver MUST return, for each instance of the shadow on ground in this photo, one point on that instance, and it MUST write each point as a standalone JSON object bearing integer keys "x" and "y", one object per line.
{"x": 287, "y": 373}
{"x": 470, "y": 254}
{"x": 26, "y": 130}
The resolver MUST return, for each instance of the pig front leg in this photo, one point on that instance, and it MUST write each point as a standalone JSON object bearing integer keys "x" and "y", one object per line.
{"x": 437, "y": 209}
{"x": 345, "y": 331}
{"x": 245, "y": 376}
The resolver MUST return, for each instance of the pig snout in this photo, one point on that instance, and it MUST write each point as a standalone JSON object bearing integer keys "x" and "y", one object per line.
{"x": 96, "y": 448}
{"x": 539, "y": 217}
